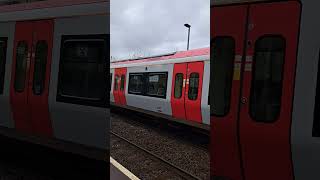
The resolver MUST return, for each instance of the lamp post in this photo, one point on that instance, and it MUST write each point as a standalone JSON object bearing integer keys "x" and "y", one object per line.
{"x": 188, "y": 26}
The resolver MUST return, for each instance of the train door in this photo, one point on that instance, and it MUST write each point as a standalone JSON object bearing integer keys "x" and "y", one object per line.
{"x": 30, "y": 80}
{"x": 262, "y": 115}
{"x": 178, "y": 91}
{"x": 187, "y": 91}
{"x": 267, "y": 95}
{"x": 120, "y": 86}
{"x": 227, "y": 33}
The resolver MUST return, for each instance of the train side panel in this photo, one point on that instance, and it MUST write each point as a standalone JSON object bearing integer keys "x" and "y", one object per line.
{"x": 6, "y": 37}
{"x": 305, "y": 134}
{"x": 155, "y": 104}
{"x": 78, "y": 122}
{"x": 205, "y": 107}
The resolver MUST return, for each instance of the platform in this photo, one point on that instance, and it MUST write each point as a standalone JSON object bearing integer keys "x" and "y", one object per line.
{"x": 118, "y": 172}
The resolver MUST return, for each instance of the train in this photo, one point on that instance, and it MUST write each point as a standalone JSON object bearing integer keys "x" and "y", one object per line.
{"x": 54, "y": 59}
{"x": 265, "y": 76}
{"x": 174, "y": 86}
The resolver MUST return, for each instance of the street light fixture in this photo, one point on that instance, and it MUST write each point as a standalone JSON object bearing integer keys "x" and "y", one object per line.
{"x": 188, "y": 26}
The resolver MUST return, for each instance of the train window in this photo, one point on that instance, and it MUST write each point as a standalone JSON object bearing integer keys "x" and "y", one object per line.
{"x": 157, "y": 85}
{"x": 135, "y": 84}
{"x": 193, "y": 86}
{"x": 122, "y": 82}
{"x": 116, "y": 82}
{"x": 178, "y": 85}
{"x": 21, "y": 66}
{"x": 221, "y": 66}
{"x": 83, "y": 70}
{"x": 3, "y": 52}
{"x": 266, "y": 85}
{"x": 316, "y": 112}
{"x": 40, "y": 64}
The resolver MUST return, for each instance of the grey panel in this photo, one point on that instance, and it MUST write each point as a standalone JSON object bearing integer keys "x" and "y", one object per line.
{"x": 77, "y": 123}
{"x": 205, "y": 108}
{"x": 6, "y": 120}
{"x": 305, "y": 148}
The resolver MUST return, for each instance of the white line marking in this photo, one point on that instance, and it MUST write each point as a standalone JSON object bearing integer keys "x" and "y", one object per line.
{"x": 123, "y": 169}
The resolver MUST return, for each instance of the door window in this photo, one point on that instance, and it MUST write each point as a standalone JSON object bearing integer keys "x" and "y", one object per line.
{"x": 178, "y": 84}
{"x": 221, "y": 65}
{"x": 266, "y": 85}
{"x": 122, "y": 82}
{"x": 3, "y": 52}
{"x": 116, "y": 81}
{"x": 193, "y": 86}
{"x": 40, "y": 65}
{"x": 110, "y": 82}
{"x": 21, "y": 66}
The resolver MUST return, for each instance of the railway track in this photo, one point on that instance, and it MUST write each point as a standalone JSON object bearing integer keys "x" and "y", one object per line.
{"x": 180, "y": 171}
{"x": 168, "y": 142}
{"x": 198, "y": 138}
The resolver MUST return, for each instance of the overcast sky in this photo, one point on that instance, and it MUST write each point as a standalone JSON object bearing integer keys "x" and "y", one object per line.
{"x": 148, "y": 27}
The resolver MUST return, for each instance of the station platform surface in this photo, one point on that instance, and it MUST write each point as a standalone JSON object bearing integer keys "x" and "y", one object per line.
{"x": 118, "y": 172}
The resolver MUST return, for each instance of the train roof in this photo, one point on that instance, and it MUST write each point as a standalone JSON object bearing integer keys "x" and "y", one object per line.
{"x": 53, "y": 9}
{"x": 179, "y": 56}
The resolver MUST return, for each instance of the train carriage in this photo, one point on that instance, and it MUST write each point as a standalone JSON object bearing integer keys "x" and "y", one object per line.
{"x": 174, "y": 86}
{"x": 53, "y": 70}
{"x": 265, "y": 65}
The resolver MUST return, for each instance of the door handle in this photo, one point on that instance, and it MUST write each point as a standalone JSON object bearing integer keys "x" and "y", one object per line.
{"x": 244, "y": 100}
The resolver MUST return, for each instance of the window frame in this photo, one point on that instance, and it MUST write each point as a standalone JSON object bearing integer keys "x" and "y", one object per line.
{"x": 16, "y": 65}
{"x": 145, "y": 77}
{"x": 103, "y": 102}
{"x": 174, "y": 88}
{"x": 2, "y": 76}
{"x": 45, "y": 69}
{"x": 252, "y": 83}
{"x": 122, "y": 82}
{"x": 198, "y": 74}
{"x": 232, "y": 75}
{"x": 147, "y": 84}
{"x": 143, "y": 83}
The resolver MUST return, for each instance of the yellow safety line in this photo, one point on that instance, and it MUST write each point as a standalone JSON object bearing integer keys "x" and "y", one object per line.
{"x": 123, "y": 169}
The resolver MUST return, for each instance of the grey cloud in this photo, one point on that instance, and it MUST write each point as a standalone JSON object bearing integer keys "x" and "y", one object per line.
{"x": 156, "y": 27}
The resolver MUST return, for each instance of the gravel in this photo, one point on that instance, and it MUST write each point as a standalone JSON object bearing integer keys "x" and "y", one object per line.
{"x": 182, "y": 154}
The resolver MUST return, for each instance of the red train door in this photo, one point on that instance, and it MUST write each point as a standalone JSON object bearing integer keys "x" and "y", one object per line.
{"x": 265, "y": 113}
{"x": 120, "y": 86}
{"x": 178, "y": 91}
{"x": 20, "y": 76}
{"x": 259, "y": 114}
{"x": 31, "y": 76}
{"x": 122, "y": 89}
{"x": 194, "y": 91}
{"x": 187, "y": 90}
{"x": 227, "y": 45}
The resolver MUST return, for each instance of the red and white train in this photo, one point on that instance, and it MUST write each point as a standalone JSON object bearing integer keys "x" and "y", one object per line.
{"x": 53, "y": 74}
{"x": 265, "y": 103}
{"x": 174, "y": 86}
